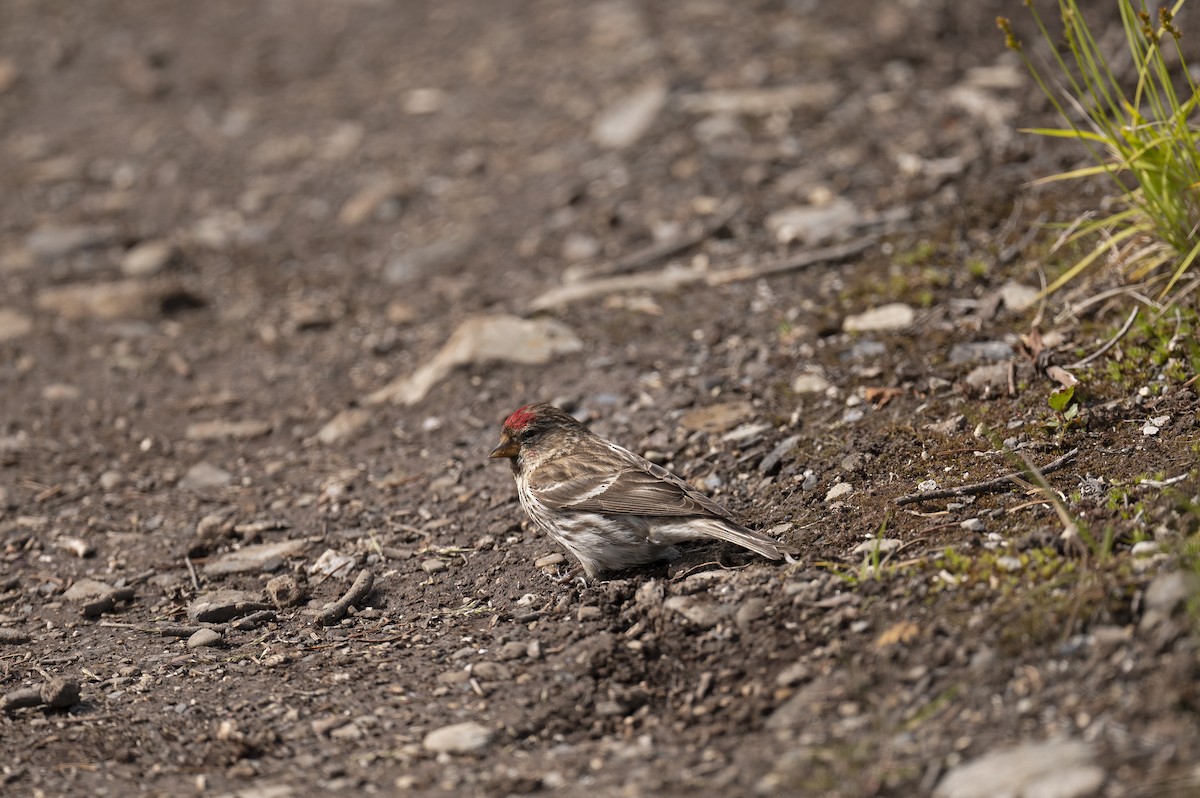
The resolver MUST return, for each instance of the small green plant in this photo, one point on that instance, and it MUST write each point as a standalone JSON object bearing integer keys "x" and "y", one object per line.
{"x": 1144, "y": 139}
{"x": 1065, "y": 406}
{"x": 871, "y": 569}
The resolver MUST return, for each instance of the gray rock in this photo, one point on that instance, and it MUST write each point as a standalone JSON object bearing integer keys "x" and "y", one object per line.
{"x": 1166, "y": 594}
{"x": 1050, "y": 769}
{"x": 121, "y": 299}
{"x": 204, "y": 637}
{"x": 459, "y": 738}
{"x": 813, "y": 224}
{"x": 483, "y": 339}
{"x": 975, "y": 351}
{"x": 880, "y": 546}
{"x": 205, "y": 475}
{"x": 703, "y": 614}
{"x": 148, "y": 258}
{"x": 894, "y": 316}
{"x": 256, "y": 558}
{"x": 627, "y": 120}
{"x": 53, "y": 242}
{"x": 344, "y": 425}
{"x": 14, "y": 324}
{"x": 221, "y": 430}
{"x": 284, "y": 591}
{"x": 219, "y": 606}
{"x": 810, "y": 383}
{"x": 417, "y": 261}
{"x": 771, "y": 463}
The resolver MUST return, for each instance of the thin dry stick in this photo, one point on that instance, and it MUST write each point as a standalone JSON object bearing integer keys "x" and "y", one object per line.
{"x": 1110, "y": 343}
{"x": 192, "y": 570}
{"x": 357, "y": 592}
{"x": 673, "y": 279}
{"x": 665, "y": 249}
{"x": 988, "y": 485}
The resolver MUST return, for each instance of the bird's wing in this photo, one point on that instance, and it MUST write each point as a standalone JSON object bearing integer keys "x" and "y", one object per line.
{"x": 621, "y": 483}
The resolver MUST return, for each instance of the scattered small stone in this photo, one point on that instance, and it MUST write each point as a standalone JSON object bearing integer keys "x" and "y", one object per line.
{"x": 770, "y": 464}
{"x": 12, "y": 637}
{"x": 122, "y": 299}
{"x": 459, "y": 738}
{"x": 718, "y": 418}
{"x": 84, "y": 589}
{"x": 369, "y": 201}
{"x": 839, "y": 491}
{"x": 811, "y": 94}
{"x": 877, "y": 546}
{"x": 226, "y": 430}
{"x": 22, "y": 698}
{"x": 478, "y": 340}
{"x": 814, "y": 224}
{"x": 579, "y": 246}
{"x": 425, "y": 100}
{"x": 971, "y": 524}
{"x": 1017, "y": 297}
{"x": 343, "y": 426}
{"x": 52, "y": 242}
{"x": 794, "y": 674}
{"x": 332, "y": 563}
{"x": 219, "y": 606}
{"x": 549, "y": 561}
{"x": 434, "y": 565}
{"x": 58, "y": 693}
{"x": 255, "y": 558}
{"x": 77, "y": 546}
{"x": 1050, "y": 769}
{"x": 750, "y": 610}
{"x": 895, "y": 316}
{"x": 628, "y": 119}
{"x": 1009, "y": 563}
{"x": 14, "y": 324}
{"x": 1165, "y": 595}
{"x": 512, "y": 650}
{"x": 285, "y": 591}
{"x": 204, "y": 638}
{"x": 106, "y": 602}
{"x": 701, "y": 614}
{"x": 415, "y": 262}
{"x": 326, "y": 725}
{"x": 491, "y": 672}
{"x": 203, "y": 476}
{"x": 148, "y": 258}
{"x": 975, "y": 351}
{"x": 9, "y": 74}
{"x": 588, "y": 612}
{"x": 994, "y": 376}
{"x": 810, "y": 383}
{"x": 60, "y": 392}
{"x": 1145, "y": 548}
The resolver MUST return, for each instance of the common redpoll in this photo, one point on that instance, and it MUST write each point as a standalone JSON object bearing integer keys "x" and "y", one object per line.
{"x": 610, "y": 508}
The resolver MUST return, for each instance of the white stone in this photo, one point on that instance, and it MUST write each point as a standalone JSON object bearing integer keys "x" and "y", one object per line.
{"x": 459, "y": 738}
{"x": 894, "y": 316}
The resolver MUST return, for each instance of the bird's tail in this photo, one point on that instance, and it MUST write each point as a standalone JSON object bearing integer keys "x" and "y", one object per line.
{"x": 756, "y": 542}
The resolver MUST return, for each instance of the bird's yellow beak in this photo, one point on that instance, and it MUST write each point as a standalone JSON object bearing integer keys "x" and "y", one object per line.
{"x": 507, "y": 448}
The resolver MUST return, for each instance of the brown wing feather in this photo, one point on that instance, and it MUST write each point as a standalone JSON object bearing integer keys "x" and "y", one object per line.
{"x": 622, "y": 484}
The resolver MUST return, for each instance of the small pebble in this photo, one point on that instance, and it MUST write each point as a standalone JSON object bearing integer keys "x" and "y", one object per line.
{"x": 204, "y": 637}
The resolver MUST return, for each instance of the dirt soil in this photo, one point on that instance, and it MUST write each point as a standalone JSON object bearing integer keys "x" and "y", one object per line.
{"x": 226, "y": 227}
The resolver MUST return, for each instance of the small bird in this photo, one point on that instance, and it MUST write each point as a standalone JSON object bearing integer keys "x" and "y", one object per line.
{"x": 610, "y": 508}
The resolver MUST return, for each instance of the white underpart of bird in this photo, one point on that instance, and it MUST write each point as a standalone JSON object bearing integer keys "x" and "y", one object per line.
{"x": 611, "y": 509}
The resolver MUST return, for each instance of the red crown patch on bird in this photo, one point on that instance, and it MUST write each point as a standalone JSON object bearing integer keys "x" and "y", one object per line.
{"x": 520, "y": 418}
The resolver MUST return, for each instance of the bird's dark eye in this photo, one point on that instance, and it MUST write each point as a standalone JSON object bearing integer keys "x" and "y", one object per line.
{"x": 526, "y": 434}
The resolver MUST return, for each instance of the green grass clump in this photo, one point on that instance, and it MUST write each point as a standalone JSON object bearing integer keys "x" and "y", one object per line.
{"x": 1142, "y": 137}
